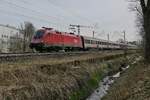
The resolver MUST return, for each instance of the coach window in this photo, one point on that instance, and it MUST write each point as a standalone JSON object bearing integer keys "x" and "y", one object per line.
{"x": 91, "y": 42}
{"x": 85, "y": 41}
{"x": 88, "y": 41}
{"x": 103, "y": 43}
{"x": 96, "y": 42}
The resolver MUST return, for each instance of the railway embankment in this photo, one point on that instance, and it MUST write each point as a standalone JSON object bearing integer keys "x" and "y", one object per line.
{"x": 67, "y": 79}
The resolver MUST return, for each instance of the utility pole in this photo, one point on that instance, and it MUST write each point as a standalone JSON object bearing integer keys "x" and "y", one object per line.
{"x": 125, "y": 48}
{"x": 124, "y": 33}
{"x": 93, "y": 34}
{"x": 108, "y": 37}
{"x": 78, "y": 26}
{"x": 108, "y": 40}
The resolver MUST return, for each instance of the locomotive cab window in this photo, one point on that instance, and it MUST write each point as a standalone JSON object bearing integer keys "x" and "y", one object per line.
{"x": 39, "y": 34}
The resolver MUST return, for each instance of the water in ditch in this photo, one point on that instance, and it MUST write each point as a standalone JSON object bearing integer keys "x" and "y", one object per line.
{"x": 104, "y": 86}
{"x": 106, "y": 83}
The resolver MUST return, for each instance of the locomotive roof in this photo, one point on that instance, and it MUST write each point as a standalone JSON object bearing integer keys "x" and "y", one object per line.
{"x": 58, "y": 32}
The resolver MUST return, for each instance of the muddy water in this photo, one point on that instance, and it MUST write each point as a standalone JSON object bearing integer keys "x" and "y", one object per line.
{"x": 106, "y": 83}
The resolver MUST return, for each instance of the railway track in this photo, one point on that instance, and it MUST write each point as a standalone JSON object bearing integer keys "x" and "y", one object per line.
{"x": 24, "y": 56}
{"x": 11, "y": 57}
{"x": 40, "y": 54}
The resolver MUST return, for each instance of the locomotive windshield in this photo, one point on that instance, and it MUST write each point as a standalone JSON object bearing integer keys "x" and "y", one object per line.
{"x": 39, "y": 34}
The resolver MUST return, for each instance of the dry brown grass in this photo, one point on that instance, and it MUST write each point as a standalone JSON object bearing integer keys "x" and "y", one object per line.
{"x": 133, "y": 85}
{"x": 42, "y": 82}
{"x": 50, "y": 61}
{"x": 47, "y": 79}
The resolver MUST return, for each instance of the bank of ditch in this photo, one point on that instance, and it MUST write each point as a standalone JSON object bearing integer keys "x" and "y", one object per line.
{"x": 64, "y": 81}
{"x": 134, "y": 84}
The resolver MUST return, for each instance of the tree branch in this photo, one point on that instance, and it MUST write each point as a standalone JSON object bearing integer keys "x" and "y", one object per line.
{"x": 138, "y": 10}
{"x": 143, "y": 6}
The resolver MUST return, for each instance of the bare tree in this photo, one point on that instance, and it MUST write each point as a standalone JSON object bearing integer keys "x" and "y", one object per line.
{"x": 27, "y": 29}
{"x": 15, "y": 43}
{"x": 143, "y": 9}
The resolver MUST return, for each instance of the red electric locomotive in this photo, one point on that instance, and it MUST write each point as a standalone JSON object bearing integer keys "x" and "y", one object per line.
{"x": 48, "y": 39}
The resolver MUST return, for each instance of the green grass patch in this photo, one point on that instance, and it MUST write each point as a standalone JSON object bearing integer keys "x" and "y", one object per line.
{"x": 89, "y": 87}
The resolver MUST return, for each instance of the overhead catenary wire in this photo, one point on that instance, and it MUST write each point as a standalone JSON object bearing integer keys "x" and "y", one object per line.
{"x": 53, "y": 24}
{"x": 60, "y": 18}
{"x": 41, "y": 16}
{"x": 30, "y": 10}
{"x": 71, "y": 12}
{"x": 26, "y": 16}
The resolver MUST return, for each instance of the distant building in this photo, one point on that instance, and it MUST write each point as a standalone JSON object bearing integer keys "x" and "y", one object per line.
{"x": 8, "y": 34}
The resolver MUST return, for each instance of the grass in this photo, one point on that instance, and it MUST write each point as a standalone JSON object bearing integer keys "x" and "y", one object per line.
{"x": 133, "y": 85}
{"x": 85, "y": 90}
{"x": 53, "y": 79}
{"x": 110, "y": 67}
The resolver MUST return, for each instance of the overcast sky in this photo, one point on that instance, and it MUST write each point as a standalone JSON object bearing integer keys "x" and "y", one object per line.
{"x": 110, "y": 16}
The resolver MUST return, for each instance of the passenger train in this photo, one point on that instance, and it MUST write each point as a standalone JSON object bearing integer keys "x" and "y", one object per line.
{"x": 48, "y": 39}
